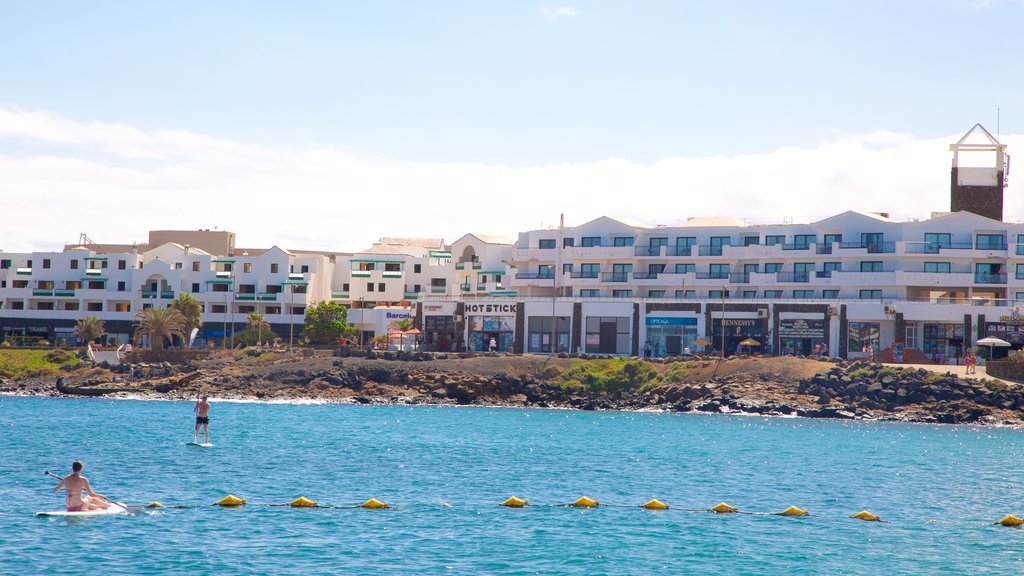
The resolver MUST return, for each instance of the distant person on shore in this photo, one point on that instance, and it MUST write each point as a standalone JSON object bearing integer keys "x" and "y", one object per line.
{"x": 202, "y": 411}
{"x": 824, "y": 349}
{"x": 686, "y": 351}
{"x": 74, "y": 484}
{"x": 492, "y": 345}
{"x": 647, "y": 349}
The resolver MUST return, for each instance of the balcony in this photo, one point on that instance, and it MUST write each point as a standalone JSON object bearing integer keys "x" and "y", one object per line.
{"x": 712, "y": 275}
{"x": 581, "y": 274}
{"x": 392, "y": 274}
{"x": 990, "y": 246}
{"x": 615, "y": 277}
{"x": 167, "y": 295}
{"x": 797, "y": 277}
{"x": 411, "y": 295}
{"x": 709, "y": 250}
{"x": 481, "y": 287}
{"x": 985, "y": 278}
{"x": 465, "y": 287}
{"x": 933, "y": 247}
{"x": 23, "y": 271}
{"x": 648, "y": 250}
{"x": 823, "y": 248}
{"x": 93, "y": 271}
{"x": 42, "y": 292}
{"x": 64, "y": 293}
{"x": 339, "y": 295}
{"x": 245, "y": 297}
{"x": 438, "y": 289}
{"x": 361, "y": 273}
{"x": 739, "y": 278}
{"x": 296, "y": 276}
{"x": 150, "y": 294}
{"x": 268, "y": 296}
{"x": 871, "y": 247}
{"x": 535, "y": 275}
{"x": 224, "y": 274}
{"x": 645, "y": 275}
{"x": 800, "y": 246}
{"x": 679, "y": 250}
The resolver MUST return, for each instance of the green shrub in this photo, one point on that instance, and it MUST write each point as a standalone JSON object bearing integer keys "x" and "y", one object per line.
{"x": 676, "y": 373}
{"x": 551, "y": 372}
{"x": 58, "y": 356}
{"x": 860, "y": 373}
{"x": 888, "y": 371}
{"x": 934, "y": 377}
{"x": 250, "y": 337}
{"x": 995, "y": 385}
{"x": 608, "y": 376}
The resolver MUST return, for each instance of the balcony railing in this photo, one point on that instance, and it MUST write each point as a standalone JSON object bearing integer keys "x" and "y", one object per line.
{"x": 645, "y": 275}
{"x": 361, "y": 273}
{"x": 739, "y": 278}
{"x": 871, "y": 247}
{"x": 339, "y": 295}
{"x": 392, "y": 274}
{"x": 438, "y": 289}
{"x": 712, "y": 275}
{"x": 982, "y": 278}
{"x": 824, "y": 248}
{"x": 411, "y": 295}
{"x": 535, "y": 275}
{"x": 648, "y": 250}
{"x": 615, "y": 277}
{"x": 794, "y": 277}
{"x": 934, "y": 247}
{"x": 796, "y": 246}
{"x": 1020, "y": 249}
{"x": 481, "y": 287}
{"x": 465, "y": 287}
{"x": 709, "y": 250}
{"x": 268, "y": 296}
{"x": 64, "y": 293}
{"x": 167, "y": 295}
{"x": 679, "y": 250}
{"x": 990, "y": 246}
{"x": 42, "y": 292}
{"x": 584, "y": 274}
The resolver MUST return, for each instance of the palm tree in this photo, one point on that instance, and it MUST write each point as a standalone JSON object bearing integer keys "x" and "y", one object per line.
{"x": 256, "y": 321}
{"x": 403, "y": 325}
{"x": 191, "y": 310}
{"x": 89, "y": 328}
{"x": 157, "y": 324}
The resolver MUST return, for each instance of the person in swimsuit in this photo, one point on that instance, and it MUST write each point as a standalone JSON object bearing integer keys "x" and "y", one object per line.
{"x": 202, "y": 411}
{"x": 74, "y": 484}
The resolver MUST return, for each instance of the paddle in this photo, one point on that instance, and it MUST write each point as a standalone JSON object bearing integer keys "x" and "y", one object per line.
{"x": 129, "y": 509}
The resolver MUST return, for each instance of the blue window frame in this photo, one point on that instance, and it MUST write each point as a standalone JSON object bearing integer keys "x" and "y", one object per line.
{"x": 546, "y": 244}
{"x": 939, "y": 267}
{"x": 590, "y": 241}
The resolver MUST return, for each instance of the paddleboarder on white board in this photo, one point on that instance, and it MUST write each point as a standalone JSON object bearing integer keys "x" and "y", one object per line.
{"x": 74, "y": 484}
{"x": 202, "y": 411}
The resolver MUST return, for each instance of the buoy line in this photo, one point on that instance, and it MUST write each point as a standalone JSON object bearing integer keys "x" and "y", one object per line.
{"x": 232, "y": 501}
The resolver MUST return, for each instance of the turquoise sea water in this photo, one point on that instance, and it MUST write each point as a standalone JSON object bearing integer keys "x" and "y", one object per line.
{"x": 941, "y": 488}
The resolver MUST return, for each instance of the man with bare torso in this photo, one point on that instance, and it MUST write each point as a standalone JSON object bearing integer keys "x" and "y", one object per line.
{"x": 74, "y": 484}
{"x": 202, "y": 411}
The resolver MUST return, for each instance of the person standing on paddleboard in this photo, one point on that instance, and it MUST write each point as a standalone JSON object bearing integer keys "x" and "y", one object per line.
{"x": 202, "y": 411}
{"x": 74, "y": 484}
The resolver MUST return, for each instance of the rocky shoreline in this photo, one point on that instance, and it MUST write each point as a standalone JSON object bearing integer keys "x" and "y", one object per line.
{"x": 769, "y": 386}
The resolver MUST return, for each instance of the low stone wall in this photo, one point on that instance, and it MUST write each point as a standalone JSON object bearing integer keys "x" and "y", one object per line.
{"x": 1005, "y": 370}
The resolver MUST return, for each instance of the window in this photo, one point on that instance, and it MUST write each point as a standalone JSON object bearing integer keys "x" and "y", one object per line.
{"x": 803, "y": 294}
{"x": 44, "y": 306}
{"x": 589, "y": 293}
{"x": 228, "y": 267}
{"x": 94, "y": 307}
{"x": 750, "y": 268}
{"x": 802, "y": 271}
{"x": 872, "y": 240}
{"x": 1019, "y": 296}
{"x": 869, "y": 266}
{"x": 684, "y": 245}
{"x": 195, "y": 266}
{"x": 305, "y": 269}
{"x": 273, "y": 267}
{"x": 608, "y": 335}
{"x": 772, "y": 267}
{"x": 620, "y": 272}
{"x": 177, "y": 265}
{"x": 46, "y": 263}
{"x": 590, "y": 241}
{"x": 943, "y": 268}
{"x": 417, "y": 268}
{"x": 344, "y": 287}
{"x": 862, "y": 335}
{"x": 622, "y": 293}
{"x": 751, "y": 240}
{"x": 122, "y": 264}
{"x": 991, "y": 242}
{"x": 28, "y": 264}
{"x": 685, "y": 268}
{"x": 832, "y": 238}
{"x": 590, "y": 270}
{"x": 871, "y": 294}
{"x": 195, "y": 287}
{"x": 5, "y": 264}
{"x": 773, "y": 294}
{"x": 750, "y": 293}
{"x": 803, "y": 240}
{"x": 415, "y": 288}
{"x": 381, "y": 287}
{"x": 717, "y": 294}
{"x": 247, "y": 268}
{"x": 936, "y": 240}
{"x": 369, "y": 286}
{"x": 655, "y": 269}
{"x": 17, "y": 304}
{"x": 568, "y": 242}
{"x": 830, "y": 294}
{"x": 684, "y": 294}
{"x": 566, "y": 268}
{"x": 120, "y": 286}
{"x": 911, "y": 333}
{"x": 720, "y": 271}
{"x": 74, "y": 264}
{"x": 547, "y": 244}
{"x": 774, "y": 239}
{"x": 829, "y": 267}
{"x": 654, "y": 242}
{"x": 624, "y": 241}
{"x": 545, "y": 271}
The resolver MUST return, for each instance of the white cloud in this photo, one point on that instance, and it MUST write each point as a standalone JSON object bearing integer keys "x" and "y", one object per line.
{"x": 115, "y": 182}
{"x": 556, "y": 12}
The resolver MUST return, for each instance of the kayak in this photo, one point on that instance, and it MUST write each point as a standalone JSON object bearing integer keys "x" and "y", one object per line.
{"x": 114, "y": 509}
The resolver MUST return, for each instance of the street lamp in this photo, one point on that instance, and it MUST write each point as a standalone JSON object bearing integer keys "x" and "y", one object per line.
{"x": 291, "y": 317}
{"x": 259, "y": 320}
{"x": 225, "y": 338}
{"x": 722, "y": 324}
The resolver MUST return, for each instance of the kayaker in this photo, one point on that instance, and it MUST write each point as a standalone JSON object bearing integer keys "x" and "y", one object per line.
{"x": 202, "y": 411}
{"x": 74, "y": 484}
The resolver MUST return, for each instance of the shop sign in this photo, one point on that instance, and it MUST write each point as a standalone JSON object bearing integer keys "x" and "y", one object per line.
{"x": 434, "y": 308}
{"x": 738, "y": 322}
{"x": 802, "y": 329}
{"x": 491, "y": 308}
{"x": 671, "y": 321}
{"x": 1012, "y": 319}
{"x": 398, "y": 315}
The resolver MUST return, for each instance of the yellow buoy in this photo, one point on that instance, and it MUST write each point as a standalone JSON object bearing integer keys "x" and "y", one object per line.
{"x": 374, "y": 504}
{"x": 154, "y": 505}
{"x": 793, "y": 511}
{"x": 1011, "y": 520}
{"x": 723, "y": 508}
{"x": 303, "y": 502}
{"x": 514, "y": 502}
{"x": 655, "y": 505}
{"x": 866, "y": 516}
{"x": 585, "y": 502}
{"x": 231, "y": 500}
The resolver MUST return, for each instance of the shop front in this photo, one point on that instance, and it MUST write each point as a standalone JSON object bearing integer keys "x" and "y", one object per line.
{"x": 943, "y": 341}
{"x": 669, "y": 336}
{"x": 736, "y": 330}
{"x": 440, "y": 331}
{"x": 799, "y": 336}
{"x": 1010, "y": 329}
{"x": 491, "y": 321}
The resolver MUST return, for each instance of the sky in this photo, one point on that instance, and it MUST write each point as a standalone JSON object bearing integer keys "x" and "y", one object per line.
{"x": 325, "y": 125}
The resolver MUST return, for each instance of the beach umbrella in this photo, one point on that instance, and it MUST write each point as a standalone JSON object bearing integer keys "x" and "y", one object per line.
{"x": 992, "y": 342}
{"x": 701, "y": 342}
{"x": 749, "y": 342}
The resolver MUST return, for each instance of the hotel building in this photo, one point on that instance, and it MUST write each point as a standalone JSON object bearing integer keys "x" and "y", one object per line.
{"x": 927, "y": 288}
